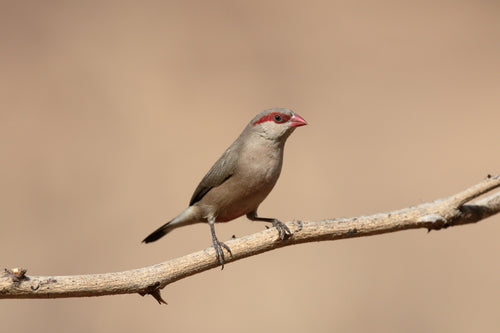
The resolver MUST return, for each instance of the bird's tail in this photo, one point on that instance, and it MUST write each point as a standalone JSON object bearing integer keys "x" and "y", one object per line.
{"x": 158, "y": 233}
{"x": 188, "y": 216}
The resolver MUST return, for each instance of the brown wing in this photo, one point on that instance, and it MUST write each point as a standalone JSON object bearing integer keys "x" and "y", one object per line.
{"x": 221, "y": 171}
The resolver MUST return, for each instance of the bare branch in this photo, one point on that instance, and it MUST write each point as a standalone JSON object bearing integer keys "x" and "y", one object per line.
{"x": 442, "y": 213}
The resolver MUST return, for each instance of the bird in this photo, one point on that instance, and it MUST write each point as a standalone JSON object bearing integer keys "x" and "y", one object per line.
{"x": 240, "y": 179}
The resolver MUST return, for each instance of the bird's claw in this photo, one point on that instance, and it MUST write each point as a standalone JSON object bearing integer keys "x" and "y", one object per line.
{"x": 283, "y": 230}
{"x": 219, "y": 252}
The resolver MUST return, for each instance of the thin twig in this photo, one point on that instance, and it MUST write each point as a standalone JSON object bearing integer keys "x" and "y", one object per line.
{"x": 452, "y": 211}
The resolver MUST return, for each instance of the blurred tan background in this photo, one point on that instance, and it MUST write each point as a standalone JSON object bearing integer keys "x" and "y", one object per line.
{"x": 112, "y": 112}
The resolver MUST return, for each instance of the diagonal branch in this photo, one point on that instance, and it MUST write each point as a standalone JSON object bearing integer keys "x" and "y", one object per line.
{"x": 443, "y": 213}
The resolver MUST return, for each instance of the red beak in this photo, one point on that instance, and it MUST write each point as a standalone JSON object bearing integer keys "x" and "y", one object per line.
{"x": 297, "y": 121}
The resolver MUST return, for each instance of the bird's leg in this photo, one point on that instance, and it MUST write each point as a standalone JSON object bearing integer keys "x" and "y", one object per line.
{"x": 283, "y": 230}
{"x": 219, "y": 253}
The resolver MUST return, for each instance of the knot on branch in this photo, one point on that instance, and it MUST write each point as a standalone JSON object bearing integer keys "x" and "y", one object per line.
{"x": 17, "y": 275}
{"x": 153, "y": 290}
{"x": 434, "y": 222}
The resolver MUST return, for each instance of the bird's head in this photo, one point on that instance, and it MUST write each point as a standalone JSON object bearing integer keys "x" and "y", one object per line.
{"x": 276, "y": 124}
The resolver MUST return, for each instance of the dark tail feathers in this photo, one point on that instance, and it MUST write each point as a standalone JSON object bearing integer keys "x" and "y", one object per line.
{"x": 157, "y": 234}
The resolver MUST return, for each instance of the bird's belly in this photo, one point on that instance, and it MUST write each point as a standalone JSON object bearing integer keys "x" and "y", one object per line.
{"x": 237, "y": 208}
{"x": 235, "y": 198}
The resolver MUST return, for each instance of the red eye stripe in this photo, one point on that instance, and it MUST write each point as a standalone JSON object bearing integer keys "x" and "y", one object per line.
{"x": 270, "y": 117}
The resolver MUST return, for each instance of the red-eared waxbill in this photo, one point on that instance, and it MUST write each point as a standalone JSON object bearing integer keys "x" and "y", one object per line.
{"x": 241, "y": 178}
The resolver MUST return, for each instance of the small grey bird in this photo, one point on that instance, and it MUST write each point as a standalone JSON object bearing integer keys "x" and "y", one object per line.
{"x": 241, "y": 178}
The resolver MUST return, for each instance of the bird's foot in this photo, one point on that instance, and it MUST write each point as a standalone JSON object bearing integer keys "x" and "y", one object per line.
{"x": 219, "y": 252}
{"x": 283, "y": 230}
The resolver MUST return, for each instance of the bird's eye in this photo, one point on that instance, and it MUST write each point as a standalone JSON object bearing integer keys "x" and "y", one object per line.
{"x": 277, "y": 118}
